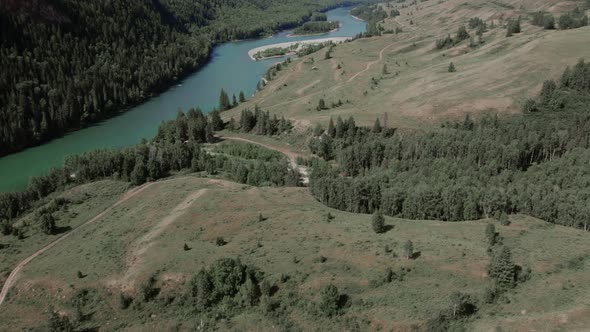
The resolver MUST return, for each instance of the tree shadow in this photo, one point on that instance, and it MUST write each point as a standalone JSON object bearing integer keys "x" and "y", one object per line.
{"x": 416, "y": 255}
{"x": 344, "y": 301}
{"x": 61, "y": 229}
{"x": 387, "y": 228}
{"x": 273, "y": 290}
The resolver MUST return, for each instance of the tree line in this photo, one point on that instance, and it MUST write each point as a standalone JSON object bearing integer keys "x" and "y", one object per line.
{"x": 534, "y": 163}
{"x": 316, "y": 27}
{"x": 69, "y": 63}
{"x": 177, "y": 146}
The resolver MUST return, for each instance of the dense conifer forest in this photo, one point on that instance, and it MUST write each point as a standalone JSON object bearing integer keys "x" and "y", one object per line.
{"x": 68, "y": 63}
{"x": 535, "y": 163}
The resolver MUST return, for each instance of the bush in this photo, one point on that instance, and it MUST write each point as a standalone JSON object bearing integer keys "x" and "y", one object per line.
{"x": 329, "y": 301}
{"x": 451, "y": 68}
{"x": 124, "y": 301}
{"x": 148, "y": 290}
{"x": 220, "y": 241}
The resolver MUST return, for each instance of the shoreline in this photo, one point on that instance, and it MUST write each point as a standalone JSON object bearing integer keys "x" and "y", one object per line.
{"x": 291, "y": 35}
{"x": 254, "y": 51}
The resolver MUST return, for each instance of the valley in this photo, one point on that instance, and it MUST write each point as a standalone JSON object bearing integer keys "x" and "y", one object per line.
{"x": 428, "y": 173}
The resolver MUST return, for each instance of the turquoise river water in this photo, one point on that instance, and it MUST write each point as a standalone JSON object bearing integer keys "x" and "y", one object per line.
{"x": 229, "y": 68}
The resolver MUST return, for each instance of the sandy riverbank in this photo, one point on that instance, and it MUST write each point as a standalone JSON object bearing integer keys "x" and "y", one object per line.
{"x": 253, "y": 51}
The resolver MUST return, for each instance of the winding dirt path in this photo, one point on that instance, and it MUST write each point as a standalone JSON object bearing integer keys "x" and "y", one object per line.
{"x": 367, "y": 67}
{"x": 140, "y": 246}
{"x": 13, "y": 275}
{"x": 302, "y": 90}
{"x": 370, "y": 64}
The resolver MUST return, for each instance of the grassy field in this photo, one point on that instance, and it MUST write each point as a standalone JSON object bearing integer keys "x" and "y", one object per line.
{"x": 84, "y": 203}
{"x": 416, "y": 90}
{"x": 146, "y": 235}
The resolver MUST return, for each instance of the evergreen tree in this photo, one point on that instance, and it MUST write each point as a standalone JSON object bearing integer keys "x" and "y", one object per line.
{"x": 384, "y": 69}
{"x": 202, "y": 289}
{"x": 409, "y": 249}
{"x": 491, "y": 234}
{"x": 378, "y": 222}
{"x": 339, "y": 127}
{"x": 242, "y": 97}
{"x": 502, "y": 269}
{"x": 224, "y": 101}
{"x": 452, "y": 68}
{"x": 331, "y": 128}
{"x": 48, "y": 223}
{"x": 139, "y": 173}
{"x": 321, "y": 104}
{"x": 377, "y": 126}
{"x": 215, "y": 120}
{"x": 234, "y": 101}
{"x": 462, "y": 34}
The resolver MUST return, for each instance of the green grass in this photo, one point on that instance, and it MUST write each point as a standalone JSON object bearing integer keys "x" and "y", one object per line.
{"x": 290, "y": 242}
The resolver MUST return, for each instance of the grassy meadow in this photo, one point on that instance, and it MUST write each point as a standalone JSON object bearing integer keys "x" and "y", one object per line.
{"x": 145, "y": 236}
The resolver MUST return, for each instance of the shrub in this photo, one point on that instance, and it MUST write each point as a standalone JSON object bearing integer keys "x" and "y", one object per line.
{"x": 124, "y": 301}
{"x": 330, "y": 301}
{"x": 220, "y": 241}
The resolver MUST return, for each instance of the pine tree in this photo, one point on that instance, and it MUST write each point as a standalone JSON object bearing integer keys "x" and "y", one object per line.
{"x": 491, "y": 234}
{"x": 452, "y": 68}
{"x": 48, "y": 223}
{"x": 339, "y": 127}
{"x": 234, "y": 101}
{"x": 462, "y": 34}
{"x": 242, "y": 97}
{"x": 502, "y": 269}
{"x": 409, "y": 249}
{"x": 202, "y": 289}
{"x": 331, "y": 128}
{"x": 377, "y": 126}
{"x": 321, "y": 104}
{"x": 139, "y": 173}
{"x": 223, "y": 101}
{"x": 384, "y": 70}
{"x": 378, "y": 222}
{"x": 216, "y": 121}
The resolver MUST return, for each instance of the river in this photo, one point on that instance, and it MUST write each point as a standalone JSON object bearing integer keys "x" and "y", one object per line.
{"x": 229, "y": 68}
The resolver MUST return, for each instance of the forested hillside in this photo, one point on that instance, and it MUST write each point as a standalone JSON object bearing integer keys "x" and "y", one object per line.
{"x": 536, "y": 163}
{"x": 69, "y": 63}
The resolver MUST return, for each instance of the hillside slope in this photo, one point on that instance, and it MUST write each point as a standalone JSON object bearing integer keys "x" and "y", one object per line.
{"x": 299, "y": 251}
{"x": 402, "y": 77}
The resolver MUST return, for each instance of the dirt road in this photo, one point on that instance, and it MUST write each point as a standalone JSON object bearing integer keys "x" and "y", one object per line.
{"x": 13, "y": 275}
{"x": 292, "y": 156}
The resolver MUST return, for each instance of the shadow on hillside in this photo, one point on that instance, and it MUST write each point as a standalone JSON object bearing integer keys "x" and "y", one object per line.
{"x": 62, "y": 229}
